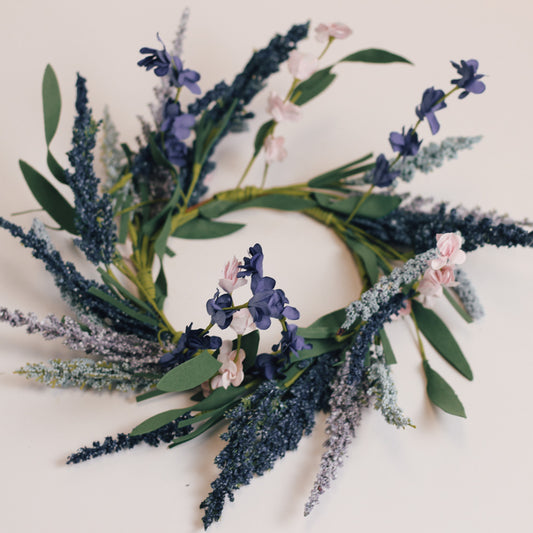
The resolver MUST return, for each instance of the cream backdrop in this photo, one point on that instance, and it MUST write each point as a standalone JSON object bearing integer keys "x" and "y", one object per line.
{"x": 448, "y": 475}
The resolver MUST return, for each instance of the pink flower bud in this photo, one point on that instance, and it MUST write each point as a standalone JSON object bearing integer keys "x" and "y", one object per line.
{"x": 281, "y": 110}
{"x": 431, "y": 285}
{"x": 231, "y": 371}
{"x": 241, "y": 321}
{"x": 274, "y": 149}
{"x": 449, "y": 247}
{"x": 336, "y": 30}
{"x": 230, "y": 281}
{"x": 302, "y": 66}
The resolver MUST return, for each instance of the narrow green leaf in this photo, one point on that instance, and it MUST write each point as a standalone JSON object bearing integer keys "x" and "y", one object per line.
{"x": 149, "y": 394}
{"x": 190, "y": 374}
{"x": 51, "y": 103}
{"x": 158, "y": 421}
{"x": 283, "y": 202}
{"x": 375, "y": 206}
{"x": 161, "y": 288}
{"x": 457, "y": 306}
{"x": 158, "y": 155}
{"x": 440, "y": 337}
{"x": 55, "y": 168}
{"x": 124, "y": 308}
{"x": 250, "y": 344}
{"x": 441, "y": 394}
{"x": 387, "y": 348}
{"x": 375, "y": 55}
{"x": 160, "y": 244}
{"x": 216, "y": 208}
{"x": 313, "y": 86}
{"x": 198, "y": 431}
{"x": 319, "y": 347}
{"x": 201, "y": 228}
{"x": 50, "y": 199}
{"x": 262, "y": 132}
{"x": 201, "y": 416}
{"x": 324, "y": 327}
{"x": 369, "y": 258}
{"x": 220, "y": 397}
{"x": 328, "y": 178}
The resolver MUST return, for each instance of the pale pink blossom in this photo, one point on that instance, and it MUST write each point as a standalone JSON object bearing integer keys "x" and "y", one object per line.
{"x": 274, "y": 149}
{"x": 280, "y": 110}
{"x": 404, "y": 311}
{"x": 450, "y": 253}
{"x": 301, "y": 65}
{"x": 241, "y": 321}
{"x": 231, "y": 371}
{"x": 430, "y": 286}
{"x": 336, "y": 30}
{"x": 230, "y": 281}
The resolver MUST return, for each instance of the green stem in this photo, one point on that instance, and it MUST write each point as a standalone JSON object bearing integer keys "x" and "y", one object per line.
{"x": 419, "y": 337}
{"x": 360, "y": 203}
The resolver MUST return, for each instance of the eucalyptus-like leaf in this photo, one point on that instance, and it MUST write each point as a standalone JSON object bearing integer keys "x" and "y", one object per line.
{"x": 457, "y": 306}
{"x": 262, "y": 133}
{"x": 318, "y": 347}
{"x": 216, "y": 208}
{"x": 367, "y": 256}
{"x": 51, "y": 103}
{"x": 313, "y": 86}
{"x": 441, "y": 394}
{"x": 282, "y": 202}
{"x": 158, "y": 421}
{"x": 440, "y": 337}
{"x": 55, "y": 168}
{"x": 375, "y": 206}
{"x": 375, "y": 55}
{"x": 202, "y": 228}
{"x": 250, "y": 345}
{"x": 325, "y": 327}
{"x": 50, "y": 199}
{"x": 190, "y": 374}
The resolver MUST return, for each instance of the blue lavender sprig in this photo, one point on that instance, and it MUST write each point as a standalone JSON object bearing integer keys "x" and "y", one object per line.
{"x": 94, "y": 213}
{"x": 264, "y": 427}
{"x": 126, "y": 442}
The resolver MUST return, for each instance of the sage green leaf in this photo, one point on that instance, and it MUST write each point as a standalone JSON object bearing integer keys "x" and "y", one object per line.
{"x": 375, "y": 206}
{"x": 375, "y": 55}
{"x": 51, "y": 103}
{"x": 457, "y": 306}
{"x": 199, "y": 430}
{"x": 216, "y": 413}
{"x": 250, "y": 345}
{"x": 161, "y": 288}
{"x": 387, "y": 348}
{"x": 160, "y": 244}
{"x": 123, "y": 307}
{"x": 325, "y": 327}
{"x": 368, "y": 257}
{"x": 313, "y": 86}
{"x": 158, "y": 155}
{"x": 158, "y": 421}
{"x": 440, "y": 337}
{"x": 262, "y": 132}
{"x": 319, "y": 347}
{"x": 329, "y": 178}
{"x": 149, "y": 394}
{"x": 202, "y": 228}
{"x": 441, "y": 394}
{"x": 50, "y": 199}
{"x": 216, "y": 208}
{"x": 190, "y": 374}
{"x": 283, "y": 202}
{"x": 220, "y": 397}
{"x": 55, "y": 168}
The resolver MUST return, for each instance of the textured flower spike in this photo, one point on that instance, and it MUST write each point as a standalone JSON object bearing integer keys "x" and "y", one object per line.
{"x": 335, "y": 30}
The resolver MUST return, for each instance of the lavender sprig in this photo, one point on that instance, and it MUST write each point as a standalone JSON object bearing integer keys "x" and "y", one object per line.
{"x": 467, "y": 294}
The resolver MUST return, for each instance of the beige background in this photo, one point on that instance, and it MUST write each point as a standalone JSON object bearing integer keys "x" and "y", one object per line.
{"x": 448, "y": 475}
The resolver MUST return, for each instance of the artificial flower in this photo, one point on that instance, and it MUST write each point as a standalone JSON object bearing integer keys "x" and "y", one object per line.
{"x": 432, "y": 100}
{"x": 449, "y": 248}
{"x": 405, "y": 143}
{"x": 231, "y": 371}
{"x": 241, "y": 321}
{"x": 301, "y": 65}
{"x": 382, "y": 175}
{"x": 231, "y": 281}
{"x": 274, "y": 149}
{"x": 280, "y": 110}
{"x": 469, "y": 80}
{"x": 336, "y": 30}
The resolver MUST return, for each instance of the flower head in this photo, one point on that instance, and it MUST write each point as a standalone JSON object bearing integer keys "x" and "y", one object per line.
{"x": 430, "y": 286}
{"x": 301, "y": 65}
{"x": 159, "y": 60}
{"x": 175, "y": 122}
{"x": 231, "y": 281}
{"x": 180, "y": 77}
{"x": 405, "y": 143}
{"x": 254, "y": 263}
{"x": 431, "y": 102}
{"x": 383, "y": 176}
{"x": 450, "y": 253}
{"x": 280, "y": 110}
{"x": 231, "y": 371}
{"x": 291, "y": 343}
{"x": 274, "y": 149}
{"x": 241, "y": 321}
{"x": 469, "y": 80}
{"x": 218, "y": 308}
{"x": 336, "y": 30}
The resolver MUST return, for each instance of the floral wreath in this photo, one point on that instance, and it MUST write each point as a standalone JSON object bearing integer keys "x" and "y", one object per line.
{"x": 407, "y": 252}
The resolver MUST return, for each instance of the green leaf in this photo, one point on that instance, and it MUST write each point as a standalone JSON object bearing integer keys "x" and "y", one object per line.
{"x": 375, "y": 206}
{"x": 158, "y": 155}
{"x": 202, "y": 416}
{"x": 325, "y": 327}
{"x": 190, "y": 374}
{"x": 387, "y": 348}
{"x": 457, "y": 306}
{"x": 369, "y": 258}
{"x": 158, "y": 421}
{"x": 283, "y": 202}
{"x": 441, "y": 394}
{"x": 51, "y": 103}
{"x": 161, "y": 288}
{"x": 313, "y": 86}
{"x": 55, "y": 168}
{"x": 123, "y": 307}
{"x": 201, "y": 228}
{"x": 198, "y": 431}
{"x": 50, "y": 199}
{"x": 216, "y": 208}
{"x": 160, "y": 244}
{"x": 250, "y": 344}
{"x": 262, "y": 132}
{"x": 149, "y": 394}
{"x": 375, "y": 55}
{"x": 220, "y": 397}
{"x": 329, "y": 178}
{"x": 441, "y": 339}
{"x": 319, "y": 347}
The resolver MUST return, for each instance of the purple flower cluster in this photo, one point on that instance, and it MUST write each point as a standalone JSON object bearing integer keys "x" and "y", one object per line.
{"x": 164, "y": 64}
